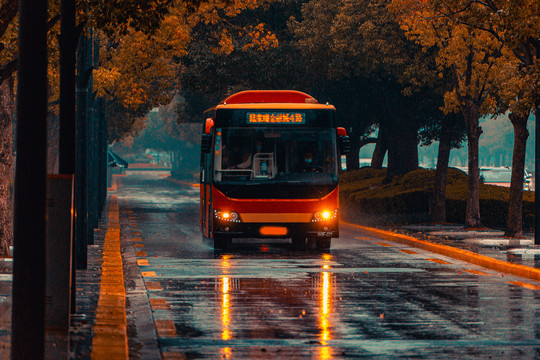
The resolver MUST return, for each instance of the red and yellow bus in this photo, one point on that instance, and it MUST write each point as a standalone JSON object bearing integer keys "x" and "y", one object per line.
{"x": 269, "y": 168}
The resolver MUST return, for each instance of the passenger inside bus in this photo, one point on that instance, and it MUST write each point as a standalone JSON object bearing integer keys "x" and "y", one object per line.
{"x": 306, "y": 164}
{"x": 236, "y": 157}
{"x": 275, "y": 155}
{"x": 244, "y": 158}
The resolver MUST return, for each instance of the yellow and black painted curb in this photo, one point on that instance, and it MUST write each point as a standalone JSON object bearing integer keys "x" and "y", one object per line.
{"x": 110, "y": 330}
{"x": 452, "y": 252}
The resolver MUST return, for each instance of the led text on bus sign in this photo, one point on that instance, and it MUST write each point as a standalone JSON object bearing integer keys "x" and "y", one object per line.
{"x": 276, "y": 118}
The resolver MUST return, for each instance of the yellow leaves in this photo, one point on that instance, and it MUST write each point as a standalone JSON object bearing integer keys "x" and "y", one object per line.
{"x": 484, "y": 62}
{"x": 261, "y": 39}
{"x": 225, "y": 46}
{"x": 213, "y": 11}
{"x": 139, "y": 70}
{"x": 105, "y": 78}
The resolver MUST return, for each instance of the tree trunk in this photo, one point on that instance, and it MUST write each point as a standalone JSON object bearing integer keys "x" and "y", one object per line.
{"x": 353, "y": 159}
{"x": 402, "y": 150}
{"x": 514, "y": 219}
{"x": 380, "y": 149}
{"x": 6, "y": 166}
{"x": 438, "y": 199}
{"x": 472, "y": 213}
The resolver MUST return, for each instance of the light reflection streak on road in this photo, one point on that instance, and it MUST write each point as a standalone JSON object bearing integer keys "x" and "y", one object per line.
{"x": 225, "y": 305}
{"x": 225, "y": 309}
{"x": 226, "y": 352}
{"x": 324, "y": 310}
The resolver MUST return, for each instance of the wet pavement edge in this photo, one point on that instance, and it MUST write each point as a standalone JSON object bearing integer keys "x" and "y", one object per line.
{"x": 453, "y": 252}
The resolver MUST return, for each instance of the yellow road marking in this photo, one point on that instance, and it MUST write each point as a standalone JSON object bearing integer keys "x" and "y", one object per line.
{"x": 159, "y": 304}
{"x": 384, "y": 244}
{"x": 476, "y": 272}
{"x": 110, "y": 334}
{"x": 148, "y": 273}
{"x": 137, "y": 239}
{"x": 153, "y": 285}
{"x": 143, "y": 262}
{"x": 363, "y": 238}
{"x": 439, "y": 261}
{"x": 525, "y": 285}
{"x": 138, "y": 245}
{"x": 141, "y": 253}
{"x": 409, "y": 252}
{"x": 165, "y": 328}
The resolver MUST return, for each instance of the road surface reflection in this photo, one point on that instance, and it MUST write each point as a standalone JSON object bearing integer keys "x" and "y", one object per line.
{"x": 325, "y": 310}
{"x": 316, "y": 301}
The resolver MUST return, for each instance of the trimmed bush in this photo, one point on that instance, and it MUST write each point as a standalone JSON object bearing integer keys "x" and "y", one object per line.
{"x": 407, "y": 198}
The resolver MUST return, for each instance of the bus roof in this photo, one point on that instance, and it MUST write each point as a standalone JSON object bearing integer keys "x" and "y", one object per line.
{"x": 276, "y": 106}
{"x": 270, "y": 96}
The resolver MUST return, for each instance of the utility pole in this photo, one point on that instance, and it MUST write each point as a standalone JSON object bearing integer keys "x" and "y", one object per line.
{"x": 81, "y": 183}
{"x": 68, "y": 47}
{"x": 29, "y": 260}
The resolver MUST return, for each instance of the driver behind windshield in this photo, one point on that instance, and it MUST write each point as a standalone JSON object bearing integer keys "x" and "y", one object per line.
{"x": 306, "y": 163}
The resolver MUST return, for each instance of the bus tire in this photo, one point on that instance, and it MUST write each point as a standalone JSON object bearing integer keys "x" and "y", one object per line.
{"x": 324, "y": 243}
{"x": 222, "y": 243}
{"x": 299, "y": 242}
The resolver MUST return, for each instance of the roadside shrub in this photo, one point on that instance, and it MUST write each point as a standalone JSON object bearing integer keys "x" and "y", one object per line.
{"x": 407, "y": 198}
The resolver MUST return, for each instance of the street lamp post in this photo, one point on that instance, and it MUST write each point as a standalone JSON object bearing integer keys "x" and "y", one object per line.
{"x": 29, "y": 258}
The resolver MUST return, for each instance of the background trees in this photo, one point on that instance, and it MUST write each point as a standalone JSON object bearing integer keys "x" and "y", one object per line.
{"x": 388, "y": 73}
{"x": 491, "y": 58}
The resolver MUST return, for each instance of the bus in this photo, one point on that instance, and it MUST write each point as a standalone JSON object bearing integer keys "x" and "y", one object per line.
{"x": 270, "y": 162}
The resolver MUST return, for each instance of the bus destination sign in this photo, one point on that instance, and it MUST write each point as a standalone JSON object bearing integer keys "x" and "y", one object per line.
{"x": 275, "y": 118}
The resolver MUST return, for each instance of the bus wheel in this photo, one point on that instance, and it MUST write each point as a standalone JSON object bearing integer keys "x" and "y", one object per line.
{"x": 222, "y": 243}
{"x": 324, "y": 243}
{"x": 299, "y": 242}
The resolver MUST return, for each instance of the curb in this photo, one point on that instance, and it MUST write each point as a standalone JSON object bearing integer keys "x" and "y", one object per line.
{"x": 110, "y": 329}
{"x": 181, "y": 182}
{"x": 455, "y": 253}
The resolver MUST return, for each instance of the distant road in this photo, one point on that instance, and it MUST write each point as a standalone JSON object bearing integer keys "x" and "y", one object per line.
{"x": 366, "y": 298}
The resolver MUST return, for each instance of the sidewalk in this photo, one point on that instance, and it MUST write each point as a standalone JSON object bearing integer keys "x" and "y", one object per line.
{"x": 96, "y": 328}
{"x": 486, "y": 242}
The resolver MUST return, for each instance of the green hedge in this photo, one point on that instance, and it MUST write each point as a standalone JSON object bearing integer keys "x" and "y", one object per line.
{"x": 407, "y": 198}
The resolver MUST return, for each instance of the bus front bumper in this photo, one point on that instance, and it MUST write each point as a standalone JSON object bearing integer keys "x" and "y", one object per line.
{"x": 275, "y": 230}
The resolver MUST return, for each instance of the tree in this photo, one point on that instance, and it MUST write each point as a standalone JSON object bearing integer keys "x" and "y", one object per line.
{"x": 475, "y": 59}
{"x": 516, "y": 26}
{"x": 6, "y": 167}
{"x": 120, "y": 16}
{"x": 366, "y": 42}
{"x": 139, "y": 69}
{"x": 449, "y": 131}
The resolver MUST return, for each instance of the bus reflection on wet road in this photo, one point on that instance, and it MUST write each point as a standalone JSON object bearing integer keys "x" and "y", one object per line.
{"x": 365, "y": 298}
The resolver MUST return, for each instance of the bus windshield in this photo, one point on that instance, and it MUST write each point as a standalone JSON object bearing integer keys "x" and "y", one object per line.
{"x": 275, "y": 155}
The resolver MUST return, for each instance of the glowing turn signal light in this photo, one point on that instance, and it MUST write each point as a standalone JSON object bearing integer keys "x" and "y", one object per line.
{"x": 230, "y": 216}
{"x": 324, "y": 215}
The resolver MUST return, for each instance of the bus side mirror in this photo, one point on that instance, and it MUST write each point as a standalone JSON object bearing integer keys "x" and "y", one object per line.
{"x": 208, "y": 125}
{"x": 344, "y": 141}
{"x": 206, "y": 143}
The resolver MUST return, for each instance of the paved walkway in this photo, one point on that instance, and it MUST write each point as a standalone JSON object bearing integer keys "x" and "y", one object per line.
{"x": 100, "y": 330}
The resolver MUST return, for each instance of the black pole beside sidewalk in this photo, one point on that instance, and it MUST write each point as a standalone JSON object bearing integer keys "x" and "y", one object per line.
{"x": 29, "y": 258}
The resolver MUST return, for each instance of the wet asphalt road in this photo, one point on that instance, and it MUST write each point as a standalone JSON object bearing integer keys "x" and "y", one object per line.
{"x": 365, "y": 298}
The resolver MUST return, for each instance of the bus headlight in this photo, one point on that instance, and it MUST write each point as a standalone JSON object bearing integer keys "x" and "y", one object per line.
{"x": 324, "y": 215}
{"x": 230, "y": 216}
